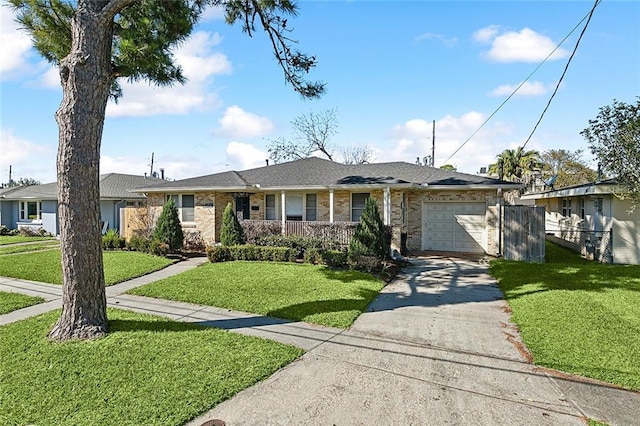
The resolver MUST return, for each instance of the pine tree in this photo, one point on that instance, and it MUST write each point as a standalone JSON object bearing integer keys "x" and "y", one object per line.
{"x": 231, "y": 233}
{"x": 370, "y": 238}
{"x": 168, "y": 228}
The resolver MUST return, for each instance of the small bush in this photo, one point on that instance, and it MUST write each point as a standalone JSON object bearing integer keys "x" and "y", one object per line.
{"x": 256, "y": 231}
{"x": 231, "y": 232}
{"x": 168, "y": 228}
{"x": 193, "y": 241}
{"x": 31, "y": 232}
{"x": 250, "y": 252}
{"x": 112, "y": 240}
{"x": 218, "y": 254}
{"x": 312, "y": 255}
{"x": 159, "y": 248}
{"x": 365, "y": 263}
{"x": 4, "y": 230}
{"x": 334, "y": 258}
{"x": 139, "y": 243}
{"x": 370, "y": 238}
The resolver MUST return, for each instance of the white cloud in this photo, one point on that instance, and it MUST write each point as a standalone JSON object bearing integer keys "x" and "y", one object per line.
{"x": 525, "y": 45}
{"x": 237, "y": 123}
{"x": 199, "y": 63}
{"x": 15, "y": 45}
{"x": 528, "y": 89}
{"x": 486, "y": 34}
{"x": 28, "y": 159}
{"x": 244, "y": 156}
{"x": 413, "y": 139}
{"x": 447, "y": 41}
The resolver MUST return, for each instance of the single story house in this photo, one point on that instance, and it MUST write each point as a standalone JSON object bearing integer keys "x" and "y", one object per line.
{"x": 592, "y": 218}
{"x": 430, "y": 208}
{"x": 36, "y": 206}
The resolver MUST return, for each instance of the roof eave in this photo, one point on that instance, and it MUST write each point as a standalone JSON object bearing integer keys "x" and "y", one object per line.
{"x": 575, "y": 192}
{"x": 470, "y": 186}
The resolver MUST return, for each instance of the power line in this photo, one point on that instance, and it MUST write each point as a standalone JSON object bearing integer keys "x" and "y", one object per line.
{"x": 587, "y": 16}
{"x": 563, "y": 73}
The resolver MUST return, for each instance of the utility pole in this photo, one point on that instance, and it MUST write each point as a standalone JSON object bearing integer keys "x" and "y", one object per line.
{"x": 433, "y": 145}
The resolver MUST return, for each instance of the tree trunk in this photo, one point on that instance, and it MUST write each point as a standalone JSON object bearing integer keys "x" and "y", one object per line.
{"x": 86, "y": 78}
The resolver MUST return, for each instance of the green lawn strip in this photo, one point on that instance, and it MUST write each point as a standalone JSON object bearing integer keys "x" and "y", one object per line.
{"x": 14, "y": 239}
{"x": 28, "y": 247}
{"x": 597, "y": 423}
{"x": 147, "y": 371}
{"x": 10, "y": 302}
{"x": 300, "y": 292}
{"x": 44, "y": 266}
{"x": 577, "y": 316}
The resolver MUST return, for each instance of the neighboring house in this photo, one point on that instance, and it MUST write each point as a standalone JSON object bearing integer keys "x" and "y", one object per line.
{"x": 593, "y": 220}
{"x": 432, "y": 209}
{"x": 36, "y": 206}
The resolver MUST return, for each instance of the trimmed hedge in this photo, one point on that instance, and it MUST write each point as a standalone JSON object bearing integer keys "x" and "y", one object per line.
{"x": 250, "y": 252}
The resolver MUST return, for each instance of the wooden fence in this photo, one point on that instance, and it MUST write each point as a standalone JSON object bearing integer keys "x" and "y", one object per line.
{"x": 524, "y": 233}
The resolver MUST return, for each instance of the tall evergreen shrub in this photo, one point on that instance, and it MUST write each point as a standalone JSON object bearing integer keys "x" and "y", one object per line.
{"x": 370, "y": 238}
{"x": 168, "y": 228}
{"x": 231, "y": 233}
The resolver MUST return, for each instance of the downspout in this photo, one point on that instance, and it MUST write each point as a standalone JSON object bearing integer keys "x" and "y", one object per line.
{"x": 499, "y": 254}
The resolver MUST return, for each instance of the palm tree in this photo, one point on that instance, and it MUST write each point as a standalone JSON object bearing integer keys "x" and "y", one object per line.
{"x": 514, "y": 164}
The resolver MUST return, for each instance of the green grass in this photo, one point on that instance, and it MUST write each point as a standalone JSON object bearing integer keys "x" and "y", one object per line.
{"x": 13, "y": 239}
{"x": 300, "y": 292}
{"x": 577, "y": 316}
{"x": 45, "y": 266}
{"x": 147, "y": 371}
{"x": 28, "y": 247}
{"x": 10, "y": 302}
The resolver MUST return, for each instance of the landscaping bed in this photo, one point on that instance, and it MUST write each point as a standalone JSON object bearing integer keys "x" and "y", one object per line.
{"x": 575, "y": 315}
{"x": 147, "y": 370}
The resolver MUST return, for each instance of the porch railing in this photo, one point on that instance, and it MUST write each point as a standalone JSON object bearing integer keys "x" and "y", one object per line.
{"x": 342, "y": 232}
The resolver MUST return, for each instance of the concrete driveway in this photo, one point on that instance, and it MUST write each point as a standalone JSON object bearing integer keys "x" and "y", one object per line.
{"x": 436, "y": 347}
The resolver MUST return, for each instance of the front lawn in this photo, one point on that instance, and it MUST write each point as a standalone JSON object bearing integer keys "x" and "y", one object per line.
{"x": 299, "y": 292}
{"x": 14, "y": 239}
{"x": 10, "y": 302}
{"x": 44, "y": 266}
{"x": 577, "y": 316}
{"x": 11, "y": 249}
{"x": 147, "y": 371}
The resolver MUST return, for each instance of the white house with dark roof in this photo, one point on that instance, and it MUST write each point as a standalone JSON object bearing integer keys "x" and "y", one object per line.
{"x": 36, "y": 206}
{"x": 433, "y": 209}
{"x": 592, "y": 218}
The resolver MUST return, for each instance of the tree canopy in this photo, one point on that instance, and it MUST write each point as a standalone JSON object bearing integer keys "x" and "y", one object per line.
{"x": 568, "y": 166}
{"x": 94, "y": 43}
{"x": 514, "y": 164}
{"x": 614, "y": 138}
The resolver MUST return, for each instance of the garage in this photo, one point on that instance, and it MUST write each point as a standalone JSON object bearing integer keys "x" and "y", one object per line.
{"x": 454, "y": 227}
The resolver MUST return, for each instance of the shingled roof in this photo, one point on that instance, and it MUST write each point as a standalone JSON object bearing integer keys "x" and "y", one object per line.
{"x": 114, "y": 186}
{"x": 316, "y": 172}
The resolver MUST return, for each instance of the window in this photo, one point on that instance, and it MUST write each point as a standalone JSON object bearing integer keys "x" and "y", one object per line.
{"x": 582, "y": 203}
{"x": 311, "y": 207}
{"x": 357, "y": 205}
{"x": 188, "y": 208}
{"x": 293, "y": 206}
{"x": 30, "y": 210}
{"x": 270, "y": 207}
{"x": 566, "y": 207}
{"x": 185, "y": 204}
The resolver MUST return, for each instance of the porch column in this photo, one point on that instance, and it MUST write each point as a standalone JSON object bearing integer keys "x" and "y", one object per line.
{"x": 331, "y": 205}
{"x": 283, "y": 211}
{"x": 386, "y": 206}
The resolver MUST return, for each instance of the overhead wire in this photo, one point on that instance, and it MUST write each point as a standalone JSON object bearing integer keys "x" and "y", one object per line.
{"x": 586, "y": 17}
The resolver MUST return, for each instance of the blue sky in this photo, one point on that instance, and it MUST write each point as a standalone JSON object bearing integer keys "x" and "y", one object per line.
{"x": 390, "y": 67}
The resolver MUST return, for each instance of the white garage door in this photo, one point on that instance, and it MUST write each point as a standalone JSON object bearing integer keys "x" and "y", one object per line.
{"x": 453, "y": 227}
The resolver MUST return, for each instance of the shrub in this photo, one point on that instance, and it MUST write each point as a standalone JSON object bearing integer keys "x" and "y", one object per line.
{"x": 334, "y": 258}
{"x": 365, "y": 263}
{"x": 250, "y": 252}
{"x": 312, "y": 255}
{"x": 256, "y": 231}
{"x": 370, "y": 238}
{"x": 112, "y": 240}
{"x": 168, "y": 229}
{"x": 299, "y": 244}
{"x": 139, "y": 243}
{"x": 193, "y": 241}
{"x": 4, "y": 230}
{"x": 231, "y": 232}
{"x": 159, "y": 248}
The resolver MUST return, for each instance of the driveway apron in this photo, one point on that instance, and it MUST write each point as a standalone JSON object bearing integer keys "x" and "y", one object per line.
{"x": 436, "y": 347}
